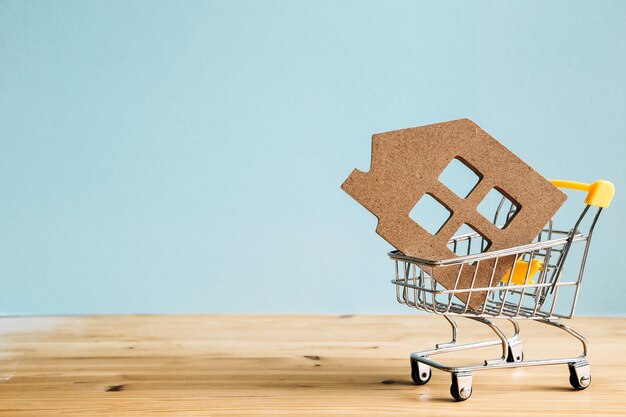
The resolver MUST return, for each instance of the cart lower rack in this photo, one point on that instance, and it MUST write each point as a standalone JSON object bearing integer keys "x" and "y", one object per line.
{"x": 538, "y": 287}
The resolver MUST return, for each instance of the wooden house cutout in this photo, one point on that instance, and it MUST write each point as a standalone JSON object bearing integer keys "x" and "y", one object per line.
{"x": 406, "y": 165}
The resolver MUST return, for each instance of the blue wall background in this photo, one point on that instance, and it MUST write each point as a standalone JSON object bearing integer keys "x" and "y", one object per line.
{"x": 187, "y": 156}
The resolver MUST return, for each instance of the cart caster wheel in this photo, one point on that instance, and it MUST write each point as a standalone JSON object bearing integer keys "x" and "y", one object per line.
{"x": 420, "y": 372}
{"x": 514, "y": 358}
{"x": 579, "y": 375}
{"x": 461, "y": 388}
{"x": 515, "y": 354}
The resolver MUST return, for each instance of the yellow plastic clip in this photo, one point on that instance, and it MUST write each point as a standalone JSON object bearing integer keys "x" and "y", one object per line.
{"x": 599, "y": 194}
{"x": 519, "y": 273}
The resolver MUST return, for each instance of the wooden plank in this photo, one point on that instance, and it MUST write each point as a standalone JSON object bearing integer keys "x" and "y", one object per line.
{"x": 300, "y": 365}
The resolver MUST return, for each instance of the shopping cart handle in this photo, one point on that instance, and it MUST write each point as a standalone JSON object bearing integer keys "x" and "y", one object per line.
{"x": 599, "y": 194}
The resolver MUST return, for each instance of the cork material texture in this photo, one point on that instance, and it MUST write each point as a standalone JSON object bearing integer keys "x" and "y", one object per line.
{"x": 406, "y": 165}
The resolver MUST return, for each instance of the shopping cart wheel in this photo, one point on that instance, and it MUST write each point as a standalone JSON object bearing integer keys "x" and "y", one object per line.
{"x": 579, "y": 375}
{"x": 512, "y": 357}
{"x": 420, "y": 372}
{"x": 461, "y": 388}
{"x": 515, "y": 353}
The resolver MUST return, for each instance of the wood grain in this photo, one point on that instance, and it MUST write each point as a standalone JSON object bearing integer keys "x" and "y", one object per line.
{"x": 305, "y": 365}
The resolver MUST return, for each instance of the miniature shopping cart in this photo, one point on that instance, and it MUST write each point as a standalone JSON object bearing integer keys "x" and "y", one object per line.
{"x": 530, "y": 290}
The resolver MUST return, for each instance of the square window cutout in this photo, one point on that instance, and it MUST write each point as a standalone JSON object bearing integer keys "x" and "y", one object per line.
{"x": 430, "y": 214}
{"x": 468, "y": 241}
{"x": 460, "y": 178}
{"x": 498, "y": 208}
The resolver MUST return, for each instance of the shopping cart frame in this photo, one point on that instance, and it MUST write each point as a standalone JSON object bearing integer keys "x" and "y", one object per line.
{"x": 417, "y": 287}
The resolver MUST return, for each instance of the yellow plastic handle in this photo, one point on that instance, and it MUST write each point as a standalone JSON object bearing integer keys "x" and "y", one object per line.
{"x": 600, "y": 193}
{"x": 521, "y": 270}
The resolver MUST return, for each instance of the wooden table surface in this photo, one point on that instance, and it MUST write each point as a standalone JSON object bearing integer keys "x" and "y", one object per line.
{"x": 300, "y": 365}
